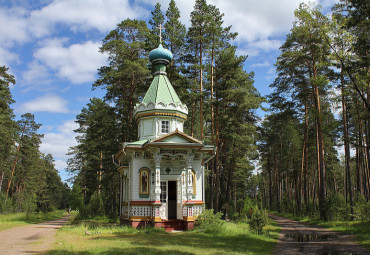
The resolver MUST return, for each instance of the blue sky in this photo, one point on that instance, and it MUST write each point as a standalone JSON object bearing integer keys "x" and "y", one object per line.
{"x": 51, "y": 46}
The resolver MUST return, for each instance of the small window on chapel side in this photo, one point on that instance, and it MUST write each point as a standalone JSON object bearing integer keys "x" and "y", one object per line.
{"x": 165, "y": 126}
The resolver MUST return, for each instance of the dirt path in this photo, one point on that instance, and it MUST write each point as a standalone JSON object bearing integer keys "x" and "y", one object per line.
{"x": 299, "y": 238}
{"x": 30, "y": 239}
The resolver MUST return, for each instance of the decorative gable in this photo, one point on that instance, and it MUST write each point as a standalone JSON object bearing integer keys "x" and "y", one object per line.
{"x": 176, "y": 137}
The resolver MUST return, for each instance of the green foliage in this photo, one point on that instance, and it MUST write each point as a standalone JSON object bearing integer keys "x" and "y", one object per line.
{"x": 156, "y": 20}
{"x": 248, "y": 207}
{"x": 92, "y": 160}
{"x": 96, "y": 206}
{"x": 362, "y": 209}
{"x": 258, "y": 220}
{"x": 210, "y": 222}
{"x": 337, "y": 208}
{"x": 76, "y": 197}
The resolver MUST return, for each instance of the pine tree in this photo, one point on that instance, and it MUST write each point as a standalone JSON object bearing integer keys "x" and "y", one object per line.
{"x": 174, "y": 38}
{"x": 125, "y": 76}
{"x": 156, "y": 21}
{"x": 198, "y": 39}
{"x": 92, "y": 161}
{"x": 235, "y": 121}
{"x": 303, "y": 71}
{"x": 7, "y": 124}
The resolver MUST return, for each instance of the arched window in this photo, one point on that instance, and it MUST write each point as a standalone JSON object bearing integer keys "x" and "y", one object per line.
{"x": 194, "y": 181}
{"x": 144, "y": 182}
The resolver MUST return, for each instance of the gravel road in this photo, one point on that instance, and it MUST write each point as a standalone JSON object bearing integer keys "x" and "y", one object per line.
{"x": 30, "y": 239}
{"x": 299, "y": 238}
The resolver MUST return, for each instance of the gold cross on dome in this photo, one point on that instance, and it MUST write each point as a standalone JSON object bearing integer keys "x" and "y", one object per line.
{"x": 160, "y": 32}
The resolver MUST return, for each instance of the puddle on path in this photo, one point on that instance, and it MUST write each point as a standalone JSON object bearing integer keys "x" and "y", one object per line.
{"x": 33, "y": 237}
{"x": 298, "y": 237}
{"x": 335, "y": 253}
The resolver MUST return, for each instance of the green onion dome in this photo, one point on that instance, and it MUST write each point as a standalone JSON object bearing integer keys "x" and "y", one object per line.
{"x": 160, "y": 54}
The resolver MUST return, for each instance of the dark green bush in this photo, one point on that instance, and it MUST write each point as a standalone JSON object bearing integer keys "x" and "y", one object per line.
{"x": 96, "y": 206}
{"x": 210, "y": 222}
{"x": 249, "y": 206}
{"x": 361, "y": 209}
{"x": 258, "y": 220}
{"x": 337, "y": 208}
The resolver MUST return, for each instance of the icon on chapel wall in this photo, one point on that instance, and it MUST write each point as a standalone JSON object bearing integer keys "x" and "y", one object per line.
{"x": 144, "y": 182}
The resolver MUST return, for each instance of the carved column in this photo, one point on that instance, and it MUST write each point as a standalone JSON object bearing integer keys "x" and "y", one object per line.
{"x": 183, "y": 184}
{"x": 157, "y": 189}
{"x": 189, "y": 163}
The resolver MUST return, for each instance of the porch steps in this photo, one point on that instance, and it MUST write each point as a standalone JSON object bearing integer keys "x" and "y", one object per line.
{"x": 171, "y": 225}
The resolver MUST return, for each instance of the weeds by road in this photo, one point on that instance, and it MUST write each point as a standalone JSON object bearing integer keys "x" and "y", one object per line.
{"x": 18, "y": 219}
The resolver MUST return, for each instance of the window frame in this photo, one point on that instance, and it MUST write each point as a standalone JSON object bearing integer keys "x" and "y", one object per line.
{"x": 165, "y": 126}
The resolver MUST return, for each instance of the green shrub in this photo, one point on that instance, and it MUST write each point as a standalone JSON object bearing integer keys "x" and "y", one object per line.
{"x": 5, "y": 207}
{"x": 312, "y": 210}
{"x": 77, "y": 201}
{"x": 210, "y": 222}
{"x": 96, "y": 206}
{"x": 337, "y": 208}
{"x": 361, "y": 209}
{"x": 248, "y": 208}
{"x": 258, "y": 220}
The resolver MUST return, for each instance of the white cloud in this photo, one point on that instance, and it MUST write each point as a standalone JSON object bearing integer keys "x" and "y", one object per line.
{"x": 266, "y": 44}
{"x": 77, "y": 63}
{"x": 83, "y": 15}
{"x": 185, "y": 8}
{"x": 7, "y": 57}
{"x": 264, "y": 64}
{"x": 37, "y": 75}
{"x": 271, "y": 70}
{"x": 58, "y": 143}
{"x": 14, "y": 26}
{"x": 327, "y": 4}
{"x": 46, "y": 103}
{"x": 271, "y": 73}
{"x": 60, "y": 164}
{"x": 258, "y": 24}
{"x": 254, "y": 20}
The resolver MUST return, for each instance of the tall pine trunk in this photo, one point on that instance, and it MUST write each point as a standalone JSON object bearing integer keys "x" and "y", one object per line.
{"x": 201, "y": 89}
{"x": 320, "y": 153}
{"x": 217, "y": 160}
{"x": 346, "y": 143}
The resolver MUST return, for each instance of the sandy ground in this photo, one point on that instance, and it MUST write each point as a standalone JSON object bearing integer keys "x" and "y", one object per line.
{"x": 299, "y": 238}
{"x": 30, "y": 239}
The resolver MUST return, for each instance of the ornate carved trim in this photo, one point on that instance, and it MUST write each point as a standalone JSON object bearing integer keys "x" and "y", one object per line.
{"x": 141, "y": 115}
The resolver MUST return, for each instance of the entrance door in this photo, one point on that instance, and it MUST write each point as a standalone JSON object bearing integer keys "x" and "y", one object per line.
{"x": 171, "y": 202}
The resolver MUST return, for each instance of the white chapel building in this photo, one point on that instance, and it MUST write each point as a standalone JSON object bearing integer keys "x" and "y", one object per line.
{"x": 162, "y": 174}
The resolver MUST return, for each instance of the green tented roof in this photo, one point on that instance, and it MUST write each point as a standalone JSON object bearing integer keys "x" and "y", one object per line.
{"x": 161, "y": 90}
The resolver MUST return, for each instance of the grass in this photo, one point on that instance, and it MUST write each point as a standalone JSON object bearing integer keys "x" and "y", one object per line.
{"x": 18, "y": 219}
{"x": 361, "y": 230}
{"x": 108, "y": 238}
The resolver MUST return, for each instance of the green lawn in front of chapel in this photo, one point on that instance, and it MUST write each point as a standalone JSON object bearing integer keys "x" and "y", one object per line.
{"x": 95, "y": 237}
